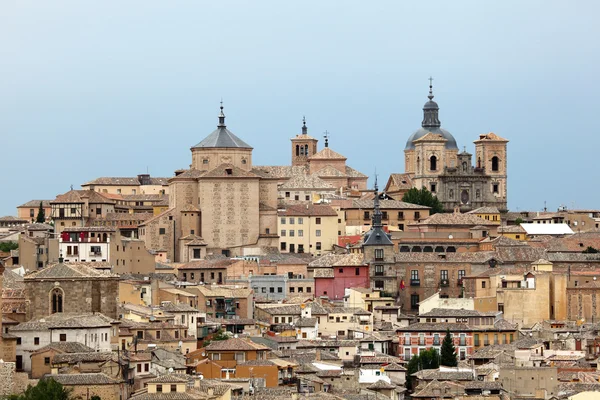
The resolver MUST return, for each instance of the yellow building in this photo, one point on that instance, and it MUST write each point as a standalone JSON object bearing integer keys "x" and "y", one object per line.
{"x": 491, "y": 214}
{"x": 515, "y": 232}
{"x": 142, "y": 184}
{"x": 307, "y": 228}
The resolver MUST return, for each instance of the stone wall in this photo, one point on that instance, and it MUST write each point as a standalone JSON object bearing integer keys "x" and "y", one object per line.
{"x": 12, "y": 382}
{"x": 79, "y": 296}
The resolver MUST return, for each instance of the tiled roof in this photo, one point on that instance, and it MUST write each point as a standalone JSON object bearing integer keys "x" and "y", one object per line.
{"x": 386, "y": 205}
{"x": 35, "y": 203}
{"x": 84, "y": 379}
{"x": 12, "y": 280}
{"x": 126, "y": 217}
{"x": 222, "y": 138}
{"x": 436, "y": 389}
{"x": 208, "y": 264}
{"x": 490, "y": 137}
{"x": 402, "y": 181}
{"x": 352, "y": 173}
{"x": 454, "y": 312}
{"x": 381, "y": 385}
{"x": 394, "y": 367}
{"x": 71, "y": 270}
{"x": 511, "y": 229}
{"x": 484, "y": 210}
{"x": 78, "y": 196}
{"x": 124, "y": 181}
{"x": 326, "y": 343}
{"x": 66, "y": 347}
{"x": 89, "y": 229}
{"x": 65, "y": 320}
{"x": 302, "y": 181}
{"x": 435, "y": 327}
{"x": 454, "y": 219}
{"x": 218, "y": 291}
{"x": 338, "y": 260}
{"x": 221, "y": 171}
{"x": 169, "y": 378}
{"x": 329, "y": 172}
{"x": 180, "y": 307}
{"x": 234, "y": 344}
{"x": 444, "y": 375}
{"x": 280, "y": 172}
{"x": 309, "y": 210}
{"x": 327, "y": 154}
{"x": 89, "y": 356}
{"x": 306, "y": 323}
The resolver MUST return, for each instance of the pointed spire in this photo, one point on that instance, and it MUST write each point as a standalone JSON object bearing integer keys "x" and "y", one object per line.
{"x": 221, "y": 117}
{"x": 376, "y": 210}
{"x": 326, "y": 136}
{"x": 304, "y": 128}
{"x": 431, "y": 110}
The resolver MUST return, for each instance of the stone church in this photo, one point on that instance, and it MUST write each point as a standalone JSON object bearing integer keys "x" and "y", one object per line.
{"x": 432, "y": 160}
{"x": 223, "y": 204}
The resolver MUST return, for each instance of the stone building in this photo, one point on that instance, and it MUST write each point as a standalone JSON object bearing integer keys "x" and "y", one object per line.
{"x": 432, "y": 160}
{"x": 71, "y": 288}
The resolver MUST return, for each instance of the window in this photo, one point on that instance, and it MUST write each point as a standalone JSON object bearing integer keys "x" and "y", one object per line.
{"x": 139, "y": 368}
{"x": 292, "y": 233}
{"x": 401, "y": 227}
{"x": 433, "y": 163}
{"x": 432, "y": 188}
{"x": 318, "y": 221}
{"x": 36, "y": 341}
{"x": 287, "y": 194}
{"x": 366, "y": 215}
{"x": 461, "y": 274}
{"x": 378, "y": 270}
{"x": 263, "y": 290}
{"x": 318, "y": 245}
{"x": 414, "y": 301}
{"x": 292, "y": 289}
{"x": 483, "y": 284}
{"x": 159, "y": 388}
{"x": 495, "y": 162}
{"x": 161, "y": 231}
{"x": 417, "y": 214}
{"x": 379, "y": 254}
{"x": 292, "y": 248}
{"x": 197, "y": 253}
{"x": 205, "y": 161}
{"x": 57, "y": 301}
{"x": 384, "y": 215}
{"x": 308, "y": 289}
{"x": 495, "y": 188}
{"x": 292, "y": 221}
{"x": 301, "y": 220}
{"x": 192, "y": 275}
{"x": 212, "y": 275}
{"x": 63, "y": 337}
{"x": 279, "y": 289}
{"x": 283, "y": 221}
{"x": 282, "y": 232}
{"x": 300, "y": 249}
{"x": 283, "y": 246}
{"x": 400, "y": 214}
{"x": 174, "y": 387}
{"x": 240, "y": 357}
{"x": 357, "y": 271}
{"x": 414, "y": 274}
{"x": 271, "y": 290}
{"x": 318, "y": 233}
{"x": 300, "y": 233}
{"x": 379, "y": 285}
{"x": 444, "y": 274}
{"x": 300, "y": 289}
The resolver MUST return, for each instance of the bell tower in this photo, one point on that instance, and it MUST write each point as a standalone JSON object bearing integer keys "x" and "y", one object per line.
{"x": 303, "y": 146}
{"x": 490, "y": 153}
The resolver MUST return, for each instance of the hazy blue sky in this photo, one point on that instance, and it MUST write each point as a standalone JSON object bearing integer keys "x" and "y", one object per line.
{"x": 110, "y": 88}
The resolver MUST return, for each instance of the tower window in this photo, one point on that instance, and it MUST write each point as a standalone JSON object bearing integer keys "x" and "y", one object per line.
{"x": 495, "y": 188}
{"x": 495, "y": 163}
{"x": 244, "y": 161}
{"x": 433, "y": 188}
{"x": 57, "y": 301}
{"x": 433, "y": 163}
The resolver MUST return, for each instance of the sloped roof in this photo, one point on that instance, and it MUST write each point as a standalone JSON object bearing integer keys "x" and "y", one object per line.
{"x": 66, "y": 347}
{"x": 77, "y": 196}
{"x": 74, "y": 270}
{"x": 308, "y": 210}
{"x": 35, "y": 203}
{"x": 327, "y": 154}
{"x": 367, "y": 204}
{"x": 235, "y": 344}
{"x": 484, "y": 210}
{"x": 222, "y": 138}
{"x": 228, "y": 171}
{"x": 328, "y": 171}
{"x": 303, "y": 181}
{"x": 65, "y": 320}
{"x": 124, "y": 181}
{"x": 84, "y": 379}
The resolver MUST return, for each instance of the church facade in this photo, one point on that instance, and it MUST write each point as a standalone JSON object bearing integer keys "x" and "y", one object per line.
{"x": 459, "y": 180}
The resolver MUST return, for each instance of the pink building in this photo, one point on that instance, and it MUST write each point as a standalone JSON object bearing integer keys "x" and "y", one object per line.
{"x": 333, "y": 273}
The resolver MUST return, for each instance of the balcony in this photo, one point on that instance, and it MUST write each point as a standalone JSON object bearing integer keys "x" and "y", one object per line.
{"x": 415, "y": 282}
{"x": 95, "y": 253}
{"x": 444, "y": 283}
{"x": 462, "y": 342}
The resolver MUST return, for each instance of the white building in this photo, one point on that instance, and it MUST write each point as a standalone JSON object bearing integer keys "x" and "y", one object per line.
{"x": 86, "y": 244}
{"x": 93, "y": 330}
{"x": 184, "y": 315}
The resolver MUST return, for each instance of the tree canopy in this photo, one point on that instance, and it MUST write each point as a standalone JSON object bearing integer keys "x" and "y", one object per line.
{"x": 46, "y": 389}
{"x": 8, "y": 246}
{"x": 428, "y": 359}
{"x": 448, "y": 354}
{"x": 41, "y": 216}
{"x": 423, "y": 197}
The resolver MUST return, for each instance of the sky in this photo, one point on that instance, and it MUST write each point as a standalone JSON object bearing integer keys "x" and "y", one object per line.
{"x": 114, "y": 88}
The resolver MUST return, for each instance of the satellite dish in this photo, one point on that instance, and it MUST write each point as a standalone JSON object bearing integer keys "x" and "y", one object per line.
{"x": 235, "y": 336}
{"x": 171, "y": 370}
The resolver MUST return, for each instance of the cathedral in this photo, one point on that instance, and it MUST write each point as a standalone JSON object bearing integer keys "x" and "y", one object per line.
{"x": 432, "y": 160}
{"x": 223, "y": 204}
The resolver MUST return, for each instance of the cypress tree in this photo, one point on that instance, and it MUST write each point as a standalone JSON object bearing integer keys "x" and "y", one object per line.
{"x": 448, "y": 353}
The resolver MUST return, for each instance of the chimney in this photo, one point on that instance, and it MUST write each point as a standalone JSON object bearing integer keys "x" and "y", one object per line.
{"x": 318, "y": 355}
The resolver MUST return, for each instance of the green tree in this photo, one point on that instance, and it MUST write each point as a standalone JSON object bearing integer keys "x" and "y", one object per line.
{"x": 8, "y": 246}
{"x": 46, "y": 389}
{"x": 518, "y": 221}
{"x": 448, "y": 354}
{"x": 423, "y": 197}
{"x": 428, "y": 359}
{"x": 41, "y": 216}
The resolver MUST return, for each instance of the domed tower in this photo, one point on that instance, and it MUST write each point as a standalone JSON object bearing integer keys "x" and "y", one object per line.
{"x": 413, "y": 162}
{"x": 303, "y": 146}
{"x": 221, "y": 147}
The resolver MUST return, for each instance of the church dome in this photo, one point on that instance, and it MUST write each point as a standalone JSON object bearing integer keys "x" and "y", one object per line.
{"x": 431, "y": 123}
{"x": 222, "y": 137}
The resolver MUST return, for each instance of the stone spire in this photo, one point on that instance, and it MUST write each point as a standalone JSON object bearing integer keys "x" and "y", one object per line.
{"x": 221, "y": 117}
{"x": 304, "y": 128}
{"x": 376, "y": 210}
{"x": 431, "y": 110}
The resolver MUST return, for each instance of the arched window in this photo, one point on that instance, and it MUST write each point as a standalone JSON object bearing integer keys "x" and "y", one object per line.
{"x": 418, "y": 163}
{"x": 297, "y": 150}
{"x": 495, "y": 162}
{"x": 433, "y": 163}
{"x": 56, "y": 301}
{"x": 305, "y": 149}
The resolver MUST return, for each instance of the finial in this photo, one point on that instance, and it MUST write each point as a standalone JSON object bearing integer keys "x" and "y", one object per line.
{"x": 376, "y": 188}
{"x": 304, "y": 128}
{"x": 430, "y": 88}
{"x": 326, "y": 136}
{"x": 221, "y": 116}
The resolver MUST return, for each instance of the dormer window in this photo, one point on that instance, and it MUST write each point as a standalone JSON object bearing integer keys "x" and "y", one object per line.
{"x": 229, "y": 171}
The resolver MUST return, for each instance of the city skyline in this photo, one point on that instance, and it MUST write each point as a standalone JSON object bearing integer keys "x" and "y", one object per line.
{"x": 89, "y": 101}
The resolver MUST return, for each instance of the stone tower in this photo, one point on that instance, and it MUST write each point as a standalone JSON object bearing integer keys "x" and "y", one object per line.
{"x": 490, "y": 153}
{"x": 303, "y": 146}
